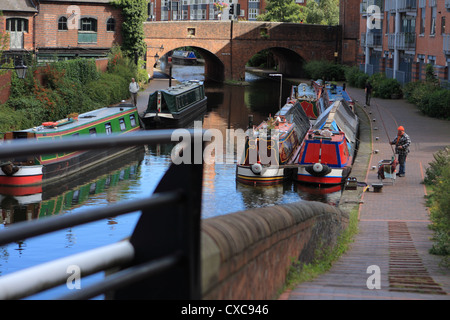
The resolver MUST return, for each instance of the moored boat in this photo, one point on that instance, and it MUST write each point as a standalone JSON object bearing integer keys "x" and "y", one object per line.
{"x": 272, "y": 146}
{"x": 46, "y": 168}
{"x": 184, "y": 57}
{"x": 175, "y": 106}
{"x": 329, "y": 148}
{"x": 310, "y": 98}
{"x": 335, "y": 93}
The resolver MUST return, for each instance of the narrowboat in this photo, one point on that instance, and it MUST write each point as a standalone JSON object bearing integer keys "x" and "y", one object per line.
{"x": 310, "y": 98}
{"x": 175, "y": 106}
{"x": 46, "y": 168}
{"x": 184, "y": 57}
{"x": 53, "y": 199}
{"x": 272, "y": 147}
{"x": 335, "y": 93}
{"x": 328, "y": 150}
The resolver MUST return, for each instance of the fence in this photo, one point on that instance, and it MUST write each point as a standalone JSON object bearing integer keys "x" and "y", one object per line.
{"x": 160, "y": 260}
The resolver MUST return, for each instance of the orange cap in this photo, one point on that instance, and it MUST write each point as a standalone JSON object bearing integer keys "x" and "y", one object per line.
{"x": 401, "y": 128}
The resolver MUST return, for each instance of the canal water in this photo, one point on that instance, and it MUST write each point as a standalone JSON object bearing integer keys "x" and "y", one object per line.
{"x": 136, "y": 176}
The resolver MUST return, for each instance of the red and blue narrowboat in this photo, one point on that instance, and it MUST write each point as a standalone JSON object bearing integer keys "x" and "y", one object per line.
{"x": 327, "y": 153}
{"x": 46, "y": 168}
{"x": 310, "y": 98}
{"x": 272, "y": 146}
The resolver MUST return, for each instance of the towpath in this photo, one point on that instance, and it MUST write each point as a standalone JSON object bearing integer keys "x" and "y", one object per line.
{"x": 393, "y": 236}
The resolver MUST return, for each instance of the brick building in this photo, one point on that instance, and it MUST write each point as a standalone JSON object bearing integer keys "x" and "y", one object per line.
{"x": 400, "y": 37}
{"x": 59, "y": 29}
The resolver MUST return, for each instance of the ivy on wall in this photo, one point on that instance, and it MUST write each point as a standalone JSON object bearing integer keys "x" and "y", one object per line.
{"x": 134, "y": 13}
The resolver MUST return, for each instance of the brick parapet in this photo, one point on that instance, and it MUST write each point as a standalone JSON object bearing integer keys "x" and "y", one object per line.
{"x": 247, "y": 255}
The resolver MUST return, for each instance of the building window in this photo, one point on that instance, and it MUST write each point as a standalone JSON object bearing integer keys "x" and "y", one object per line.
{"x": 62, "y": 23}
{"x": 16, "y": 25}
{"x": 88, "y": 24}
{"x": 252, "y": 13}
{"x": 443, "y": 25}
{"x": 111, "y": 24}
{"x": 422, "y": 21}
{"x": 433, "y": 21}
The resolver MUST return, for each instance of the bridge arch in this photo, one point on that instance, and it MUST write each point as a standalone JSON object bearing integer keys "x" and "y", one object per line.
{"x": 228, "y": 45}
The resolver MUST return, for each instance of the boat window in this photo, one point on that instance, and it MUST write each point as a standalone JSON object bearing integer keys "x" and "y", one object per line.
{"x": 75, "y": 135}
{"x": 92, "y": 132}
{"x": 132, "y": 120}
{"x": 122, "y": 124}
{"x": 108, "y": 128}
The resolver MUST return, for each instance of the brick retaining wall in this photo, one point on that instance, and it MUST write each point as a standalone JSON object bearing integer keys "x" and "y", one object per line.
{"x": 247, "y": 255}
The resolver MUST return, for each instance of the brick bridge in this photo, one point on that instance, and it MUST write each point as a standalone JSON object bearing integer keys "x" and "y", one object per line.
{"x": 227, "y": 46}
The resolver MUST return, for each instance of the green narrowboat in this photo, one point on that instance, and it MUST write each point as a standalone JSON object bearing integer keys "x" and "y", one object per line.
{"x": 33, "y": 170}
{"x": 175, "y": 106}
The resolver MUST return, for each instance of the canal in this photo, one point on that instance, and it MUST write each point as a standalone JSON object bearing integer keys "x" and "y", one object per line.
{"x": 136, "y": 176}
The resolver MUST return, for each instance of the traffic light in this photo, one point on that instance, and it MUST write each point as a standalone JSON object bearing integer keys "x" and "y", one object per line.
{"x": 231, "y": 8}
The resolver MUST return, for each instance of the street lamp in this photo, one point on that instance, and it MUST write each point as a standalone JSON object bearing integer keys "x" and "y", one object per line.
{"x": 21, "y": 69}
{"x": 281, "y": 87}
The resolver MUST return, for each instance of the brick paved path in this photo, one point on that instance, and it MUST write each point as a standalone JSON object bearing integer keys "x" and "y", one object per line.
{"x": 393, "y": 232}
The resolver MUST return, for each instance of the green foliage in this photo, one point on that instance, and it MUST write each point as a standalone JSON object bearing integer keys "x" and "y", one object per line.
{"x": 282, "y": 11}
{"x": 355, "y": 78}
{"x": 438, "y": 178}
{"x": 325, "y": 70}
{"x": 325, "y": 13}
{"x": 428, "y": 96}
{"x": 385, "y": 88}
{"x": 81, "y": 70}
{"x": 134, "y": 14}
{"x": 67, "y": 87}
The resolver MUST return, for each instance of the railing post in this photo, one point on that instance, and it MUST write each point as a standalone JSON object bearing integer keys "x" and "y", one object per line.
{"x": 174, "y": 229}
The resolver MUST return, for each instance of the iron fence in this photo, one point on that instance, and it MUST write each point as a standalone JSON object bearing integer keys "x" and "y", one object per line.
{"x": 160, "y": 260}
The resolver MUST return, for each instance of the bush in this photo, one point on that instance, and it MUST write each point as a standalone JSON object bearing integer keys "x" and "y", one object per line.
{"x": 438, "y": 177}
{"x": 355, "y": 77}
{"x": 436, "y": 104}
{"x": 325, "y": 70}
{"x": 386, "y": 88}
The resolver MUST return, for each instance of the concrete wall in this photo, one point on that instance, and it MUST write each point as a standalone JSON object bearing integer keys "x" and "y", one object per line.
{"x": 247, "y": 255}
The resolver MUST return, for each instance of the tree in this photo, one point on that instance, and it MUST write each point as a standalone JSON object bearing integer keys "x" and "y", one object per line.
{"x": 134, "y": 14}
{"x": 325, "y": 12}
{"x": 282, "y": 11}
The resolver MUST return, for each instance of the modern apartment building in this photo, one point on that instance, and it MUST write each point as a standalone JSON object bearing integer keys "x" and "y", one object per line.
{"x": 175, "y": 10}
{"x": 400, "y": 37}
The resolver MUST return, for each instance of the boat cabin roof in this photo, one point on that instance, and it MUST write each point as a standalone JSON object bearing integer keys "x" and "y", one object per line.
{"x": 83, "y": 118}
{"x": 182, "y": 87}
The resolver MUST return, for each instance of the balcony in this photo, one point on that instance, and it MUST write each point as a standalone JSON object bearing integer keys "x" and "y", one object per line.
{"x": 371, "y": 39}
{"x": 401, "y": 5}
{"x": 367, "y": 3}
{"x": 402, "y": 41}
{"x": 446, "y": 44}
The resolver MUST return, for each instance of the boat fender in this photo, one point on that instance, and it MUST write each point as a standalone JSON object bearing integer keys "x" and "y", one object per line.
{"x": 256, "y": 168}
{"x": 9, "y": 169}
{"x": 318, "y": 169}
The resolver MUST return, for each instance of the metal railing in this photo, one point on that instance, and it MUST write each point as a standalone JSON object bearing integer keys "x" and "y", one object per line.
{"x": 371, "y": 39}
{"x": 402, "y": 41}
{"x": 160, "y": 260}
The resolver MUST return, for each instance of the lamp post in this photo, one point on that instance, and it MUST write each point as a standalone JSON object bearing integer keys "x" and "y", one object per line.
{"x": 21, "y": 69}
{"x": 281, "y": 86}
